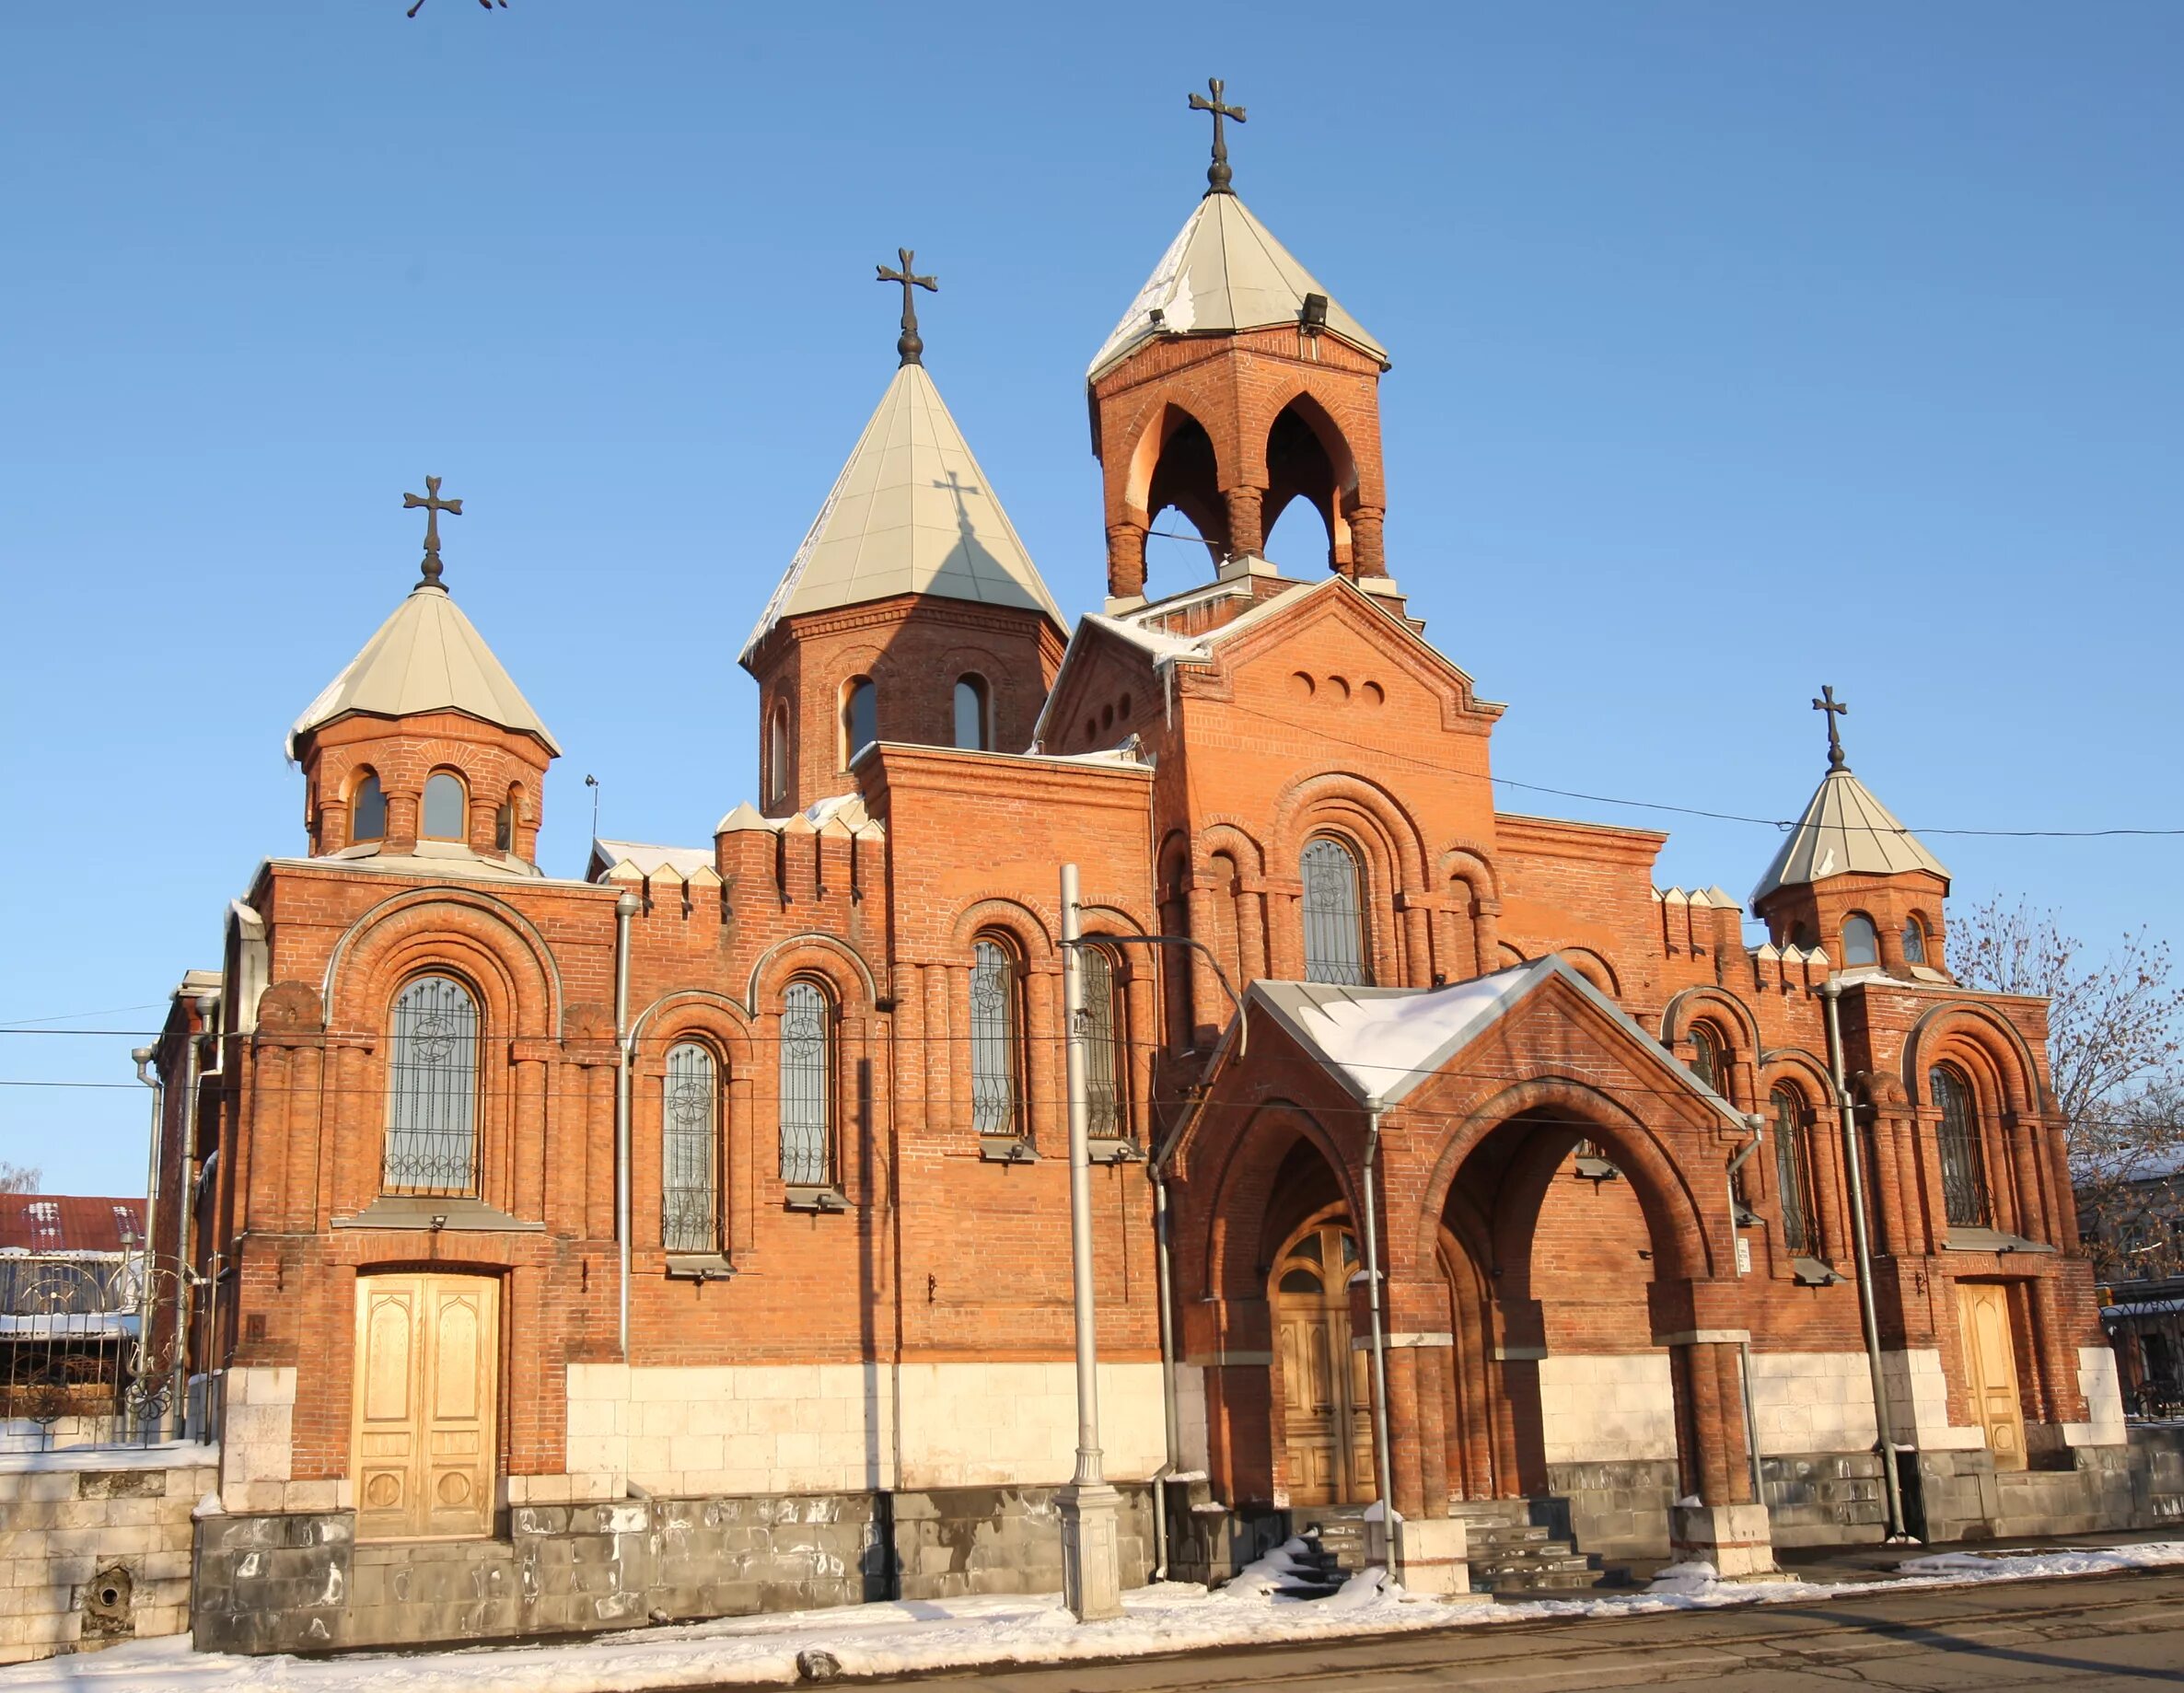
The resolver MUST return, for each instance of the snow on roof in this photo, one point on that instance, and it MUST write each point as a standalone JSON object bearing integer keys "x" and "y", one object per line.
{"x": 1381, "y": 1043}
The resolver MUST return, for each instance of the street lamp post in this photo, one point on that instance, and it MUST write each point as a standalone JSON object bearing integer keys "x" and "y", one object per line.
{"x": 1091, "y": 1556}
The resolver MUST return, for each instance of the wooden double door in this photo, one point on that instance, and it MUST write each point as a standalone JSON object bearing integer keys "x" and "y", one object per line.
{"x": 1327, "y": 1398}
{"x": 1991, "y": 1369}
{"x": 423, "y": 1451}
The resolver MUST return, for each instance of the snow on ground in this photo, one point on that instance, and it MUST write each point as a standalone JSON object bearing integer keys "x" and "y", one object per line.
{"x": 915, "y": 1635}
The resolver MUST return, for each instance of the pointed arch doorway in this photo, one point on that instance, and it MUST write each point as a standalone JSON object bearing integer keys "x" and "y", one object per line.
{"x": 1325, "y": 1383}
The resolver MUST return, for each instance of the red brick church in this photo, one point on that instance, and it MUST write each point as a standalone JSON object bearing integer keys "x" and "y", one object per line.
{"x": 690, "y": 1236}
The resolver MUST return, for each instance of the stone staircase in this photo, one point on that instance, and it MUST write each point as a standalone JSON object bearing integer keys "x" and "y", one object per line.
{"x": 1513, "y": 1556}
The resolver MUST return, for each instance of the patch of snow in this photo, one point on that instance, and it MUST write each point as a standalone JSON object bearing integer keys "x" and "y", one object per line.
{"x": 166, "y": 1454}
{"x": 923, "y": 1637}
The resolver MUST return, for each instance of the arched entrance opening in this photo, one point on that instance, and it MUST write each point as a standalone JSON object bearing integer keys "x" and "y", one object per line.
{"x": 1554, "y": 1385}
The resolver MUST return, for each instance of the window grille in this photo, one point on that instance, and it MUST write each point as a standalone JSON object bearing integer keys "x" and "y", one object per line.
{"x": 1793, "y": 1172}
{"x": 993, "y": 1040}
{"x": 806, "y": 1086}
{"x": 1334, "y": 916}
{"x": 690, "y": 1153}
{"x": 433, "y": 1090}
{"x": 1103, "y": 1053}
{"x": 1963, "y": 1164}
{"x": 1914, "y": 941}
{"x": 1706, "y": 1057}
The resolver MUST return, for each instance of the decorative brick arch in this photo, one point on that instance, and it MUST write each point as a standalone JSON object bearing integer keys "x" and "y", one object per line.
{"x": 1593, "y": 968}
{"x": 1011, "y": 917}
{"x": 1683, "y": 1247}
{"x": 1231, "y": 1237}
{"x": 812, "y": 953}
{"x": 1379, "y": 820}
{"x": 1231, "y": 838}
{"x": 514, "y": 969}
{"x": 696, "y": 1013}
{"x": 1972, "y": 1032}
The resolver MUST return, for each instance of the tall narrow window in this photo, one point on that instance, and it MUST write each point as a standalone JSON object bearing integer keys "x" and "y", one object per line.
{"x": 994, "y": 1031}
{"x": 1860, "y": 944}
{"x": 777, "y": 754}
{"x": 806, "y": 1086}
{"x": 444, "y": 802}
{"x": 1914, "y": 940}
{"x": 860, "y": 718}
{"x": 368, "y": 811}
{"x": 972, "y": 730}
{"x": 1793, "y": 1172}
{"x": 1963, "y": 1164}
{"x": 1334, "y": 915}
{"x": 690, "y": 1153}
{"x": 1103, "y": 1050}
{"x": 503, "y": 821}
{"x": 1706, "y": 1057}
{"x": 432, "y": 1090}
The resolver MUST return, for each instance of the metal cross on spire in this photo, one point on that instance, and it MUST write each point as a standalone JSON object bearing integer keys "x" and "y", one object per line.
{"x": 1835, "y": 709}
{"x": 911, "y": 349}
{"x": 1218, "y": 174}
{"x": 432, "y": 505}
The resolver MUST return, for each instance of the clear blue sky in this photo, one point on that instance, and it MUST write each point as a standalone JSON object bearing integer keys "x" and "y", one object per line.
{"x": 1737, "y": 349}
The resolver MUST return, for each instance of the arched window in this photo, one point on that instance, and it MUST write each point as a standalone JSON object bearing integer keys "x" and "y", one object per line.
{"x": 974, "y": 729}
{"x": 368, "y": 810}
{"x": 1706, "y": 1057}
{"x": 777, "y": 754}
{"x": 505, "y": 820}
{"x": 806, "y": 1086}
{"x": 1914, "y": 940}
{"x": 1793, "y": 1172}
{"x": 432, "y": 1090}
{"x": 1334, "y": 914}
{"x": 996, "y": 1040}
{"x": 860, "y": 717}
{"x": 690, "y": 1152}
{"x": 445, "y": 804}
{"x": 1963, "y": 1164}
{"x": 1105, "y": 1084}
{"x": 1859, "y": 943}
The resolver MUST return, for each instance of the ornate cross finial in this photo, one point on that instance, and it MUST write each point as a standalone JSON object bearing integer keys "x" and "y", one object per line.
{"x": 432, "y": 506}
{"x": 1835, "y": 709}
{"x": 911, "y": 349}
{"x": 1218, "y": 174}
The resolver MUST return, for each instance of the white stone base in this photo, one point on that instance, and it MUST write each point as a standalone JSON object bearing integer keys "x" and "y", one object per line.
{"x": 1735, "y": 1539}
{"x": 1433, "y": 1558}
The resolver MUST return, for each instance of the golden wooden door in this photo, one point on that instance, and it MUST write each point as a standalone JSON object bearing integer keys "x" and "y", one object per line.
{"x": 427, "y": 1350}
{"x": 1326, "y": 1383}
{"x": 1991, "y": 1370}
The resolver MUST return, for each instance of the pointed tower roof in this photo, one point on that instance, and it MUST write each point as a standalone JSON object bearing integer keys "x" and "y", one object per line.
{"x": 1224, "y": 272}
{"x": 426, "y": 657}
{"x": 1845, "y": 830}
{"x": 911, "y": 513}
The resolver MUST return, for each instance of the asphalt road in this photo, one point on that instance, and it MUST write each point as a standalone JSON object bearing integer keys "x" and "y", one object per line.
{"x": 2084, "y": 1632}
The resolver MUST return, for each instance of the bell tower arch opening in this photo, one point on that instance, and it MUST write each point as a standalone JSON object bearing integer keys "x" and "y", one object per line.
{"x": 1307, "y": 459}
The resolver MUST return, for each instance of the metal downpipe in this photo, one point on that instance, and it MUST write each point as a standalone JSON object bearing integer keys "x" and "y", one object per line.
{"x": 1171, "y": 1420}
{"x": 1384, "y": 1461}
{"x": 1862, "y": 1248}
{"x": 626, "y": 908}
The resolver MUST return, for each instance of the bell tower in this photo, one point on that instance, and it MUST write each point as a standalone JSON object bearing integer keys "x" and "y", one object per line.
{"x": 1234, "y": 385}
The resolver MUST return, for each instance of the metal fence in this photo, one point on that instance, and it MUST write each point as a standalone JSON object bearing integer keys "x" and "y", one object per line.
{"x": 2148, "y": 1338}
{"x": 89, "y": 1350}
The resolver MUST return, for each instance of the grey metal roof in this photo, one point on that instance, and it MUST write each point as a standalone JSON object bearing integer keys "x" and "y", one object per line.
{"x": 426, "y": 657}
{"x": 911, "y": 513}
{"x": 1845, "y": 830}
{"x": 1224, "y": 270}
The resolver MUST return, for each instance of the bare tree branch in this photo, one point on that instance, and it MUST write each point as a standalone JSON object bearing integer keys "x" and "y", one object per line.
{"x": 20, "y": 1177}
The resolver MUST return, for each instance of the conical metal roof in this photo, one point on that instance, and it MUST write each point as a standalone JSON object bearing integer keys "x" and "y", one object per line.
{"x": 426, "y": 657}
{"x": 1224, "y": 272}
{"x": 1845, "y": 830}
{"x": 911, "y": 513}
